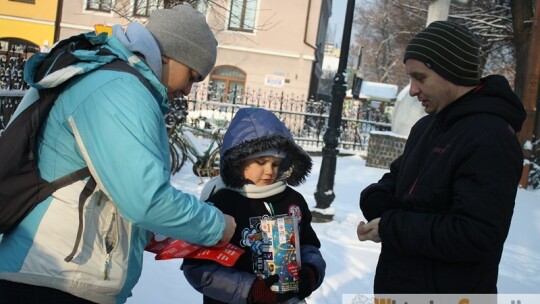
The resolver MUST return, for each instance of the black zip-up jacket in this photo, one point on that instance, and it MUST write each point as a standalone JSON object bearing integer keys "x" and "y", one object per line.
{"x": 234, "y": 282}
{"x": 447, "y": 202}
{"x": 246, "y": 208}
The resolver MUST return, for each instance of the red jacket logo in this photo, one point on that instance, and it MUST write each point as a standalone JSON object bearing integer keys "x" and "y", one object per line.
{"x": 440, "y": 150}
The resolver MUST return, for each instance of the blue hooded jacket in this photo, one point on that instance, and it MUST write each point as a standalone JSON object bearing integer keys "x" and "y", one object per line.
{"x": 251, "y": 131}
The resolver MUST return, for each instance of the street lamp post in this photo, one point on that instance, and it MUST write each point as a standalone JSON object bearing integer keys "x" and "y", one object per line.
{"x": 325, "y": 186}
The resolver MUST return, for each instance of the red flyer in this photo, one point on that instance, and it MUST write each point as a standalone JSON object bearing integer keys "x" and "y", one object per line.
{"x": 167, "y": 248}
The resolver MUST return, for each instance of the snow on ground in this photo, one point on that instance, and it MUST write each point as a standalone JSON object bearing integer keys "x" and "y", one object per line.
{"x": 351, "y": 263}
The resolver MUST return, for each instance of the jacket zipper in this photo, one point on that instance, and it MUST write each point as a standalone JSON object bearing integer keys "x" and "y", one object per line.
{"x": 412, "y": 187}
{"x": 270, "y": 208}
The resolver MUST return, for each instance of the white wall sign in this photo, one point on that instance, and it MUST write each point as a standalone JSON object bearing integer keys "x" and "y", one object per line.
{"x": 274, "y": 81}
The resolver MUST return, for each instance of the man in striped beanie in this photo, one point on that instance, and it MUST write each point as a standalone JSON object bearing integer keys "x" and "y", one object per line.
{"x": 449, "y": 49}
{"x": 443, "y": 212}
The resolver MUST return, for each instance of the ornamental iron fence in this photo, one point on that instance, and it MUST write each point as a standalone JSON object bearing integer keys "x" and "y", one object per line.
{"x": 307, "y": 119}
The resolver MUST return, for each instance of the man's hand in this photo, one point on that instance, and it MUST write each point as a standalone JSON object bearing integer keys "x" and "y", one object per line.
{"x": 230, "y": 226}
{"x": 369, "y": 231}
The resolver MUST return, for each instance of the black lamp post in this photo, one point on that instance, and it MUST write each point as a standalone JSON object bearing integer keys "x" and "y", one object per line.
{"x": 325, "y": 186}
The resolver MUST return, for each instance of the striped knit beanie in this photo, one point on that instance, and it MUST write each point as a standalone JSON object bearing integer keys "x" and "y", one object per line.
{"x": 450, "y": 50}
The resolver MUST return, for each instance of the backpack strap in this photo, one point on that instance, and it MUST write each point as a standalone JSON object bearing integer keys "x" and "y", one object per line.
{"x": 123, "y": 66}
{"x": 85, "y": 194}
{"x": 70, "y": 178}
{"x": 116, "y": 65}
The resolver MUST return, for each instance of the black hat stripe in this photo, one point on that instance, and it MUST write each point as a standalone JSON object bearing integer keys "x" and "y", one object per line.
{"x": 451, "y": 54}
{"x": 463, "y": 38}
{"x": 431, "y": 61}
{"x": 470, "y": 52}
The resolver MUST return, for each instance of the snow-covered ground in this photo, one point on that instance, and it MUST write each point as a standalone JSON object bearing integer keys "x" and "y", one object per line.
{"x": 351, "y": 263}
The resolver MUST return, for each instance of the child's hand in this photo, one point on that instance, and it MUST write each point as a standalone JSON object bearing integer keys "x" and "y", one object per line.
{"x": 261, "y": 292}
{"x": 308, "y": 281}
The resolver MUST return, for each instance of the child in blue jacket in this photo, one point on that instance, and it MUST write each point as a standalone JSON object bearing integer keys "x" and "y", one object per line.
{"x": 259, "y": 162}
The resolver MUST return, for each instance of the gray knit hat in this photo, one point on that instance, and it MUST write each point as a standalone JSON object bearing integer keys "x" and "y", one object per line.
{"x": 448, "y": 48}
{"x": 183, "y": 35}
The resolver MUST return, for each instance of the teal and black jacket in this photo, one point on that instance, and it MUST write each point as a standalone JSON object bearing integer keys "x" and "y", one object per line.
{"x": 112, "y": 123}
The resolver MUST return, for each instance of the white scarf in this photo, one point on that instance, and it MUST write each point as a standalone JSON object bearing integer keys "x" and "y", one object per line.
{"x": 249, "y": 190}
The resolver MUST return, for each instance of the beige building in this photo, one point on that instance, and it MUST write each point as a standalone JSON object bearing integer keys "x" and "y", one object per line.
{"x": 79, "y": 16}
{"x": 264, "y": 45}
{"x": 279, "y": 47}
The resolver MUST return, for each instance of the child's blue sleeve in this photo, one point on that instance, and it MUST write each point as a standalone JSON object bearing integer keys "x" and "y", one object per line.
{"x": 219, "y": 282}
{"x": 312, "y": 255}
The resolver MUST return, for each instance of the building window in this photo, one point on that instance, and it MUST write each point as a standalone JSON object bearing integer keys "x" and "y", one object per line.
{"x": 17, "y": 47}
{"x": 143, "y": 8}
{"x": 25, "y": 1}
{"x": 242, "y": 15}
{"x": 227, "y": 84}
{"x": 99, "y": 5}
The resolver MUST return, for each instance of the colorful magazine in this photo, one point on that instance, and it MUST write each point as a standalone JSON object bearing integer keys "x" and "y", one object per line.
{"x": 281, "y": 251}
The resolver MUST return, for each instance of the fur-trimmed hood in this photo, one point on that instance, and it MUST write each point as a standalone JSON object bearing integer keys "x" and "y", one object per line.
{"x": 254, "y": 130}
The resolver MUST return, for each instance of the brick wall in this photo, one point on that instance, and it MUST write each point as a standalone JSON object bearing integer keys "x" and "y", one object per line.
{"x": 383, "y": 148}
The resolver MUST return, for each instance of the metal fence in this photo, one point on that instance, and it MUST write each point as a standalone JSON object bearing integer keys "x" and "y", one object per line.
{"x": 307, "y": 119}
{"x": 11, "y": 73}
{"x": 9, "y": 99}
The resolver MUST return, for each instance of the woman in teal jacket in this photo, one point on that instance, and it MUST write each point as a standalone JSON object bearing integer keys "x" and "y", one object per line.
{"x": 111, "y": 122}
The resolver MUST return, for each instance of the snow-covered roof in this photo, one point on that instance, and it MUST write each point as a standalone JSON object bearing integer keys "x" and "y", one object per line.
{"x": 376, "y": 91}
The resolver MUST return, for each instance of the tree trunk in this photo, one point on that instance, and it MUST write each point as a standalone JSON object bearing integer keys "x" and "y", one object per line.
{"x": 521, "y": 13}
{"x": 530, "y": 96}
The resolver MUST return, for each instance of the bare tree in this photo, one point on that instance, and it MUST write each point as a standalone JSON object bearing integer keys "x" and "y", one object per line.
{"x": 522, "y": 14}
{"x": 382, "y": 30}
{"x": 527, "y": 85}
{"x": 385, "y": 27}
{"x": 220, "y": 9}
{"x": 491, "y": 22}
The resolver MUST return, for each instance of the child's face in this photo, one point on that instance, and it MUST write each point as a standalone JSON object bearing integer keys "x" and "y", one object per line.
{"x": 262, "y": 170}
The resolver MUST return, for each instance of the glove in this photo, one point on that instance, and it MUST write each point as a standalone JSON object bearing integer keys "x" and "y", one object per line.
{"x": 261, "y": 292}
{"x": 308, "y": 282}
